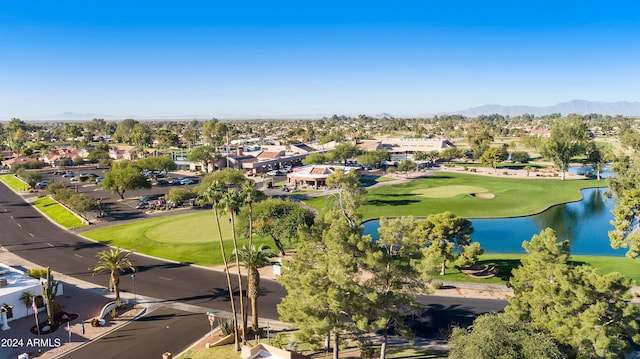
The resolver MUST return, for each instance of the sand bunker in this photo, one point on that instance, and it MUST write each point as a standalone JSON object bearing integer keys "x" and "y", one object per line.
{"x": 483, "y": 195}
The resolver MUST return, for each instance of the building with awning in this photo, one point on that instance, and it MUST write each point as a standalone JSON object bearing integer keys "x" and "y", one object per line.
{"x": 314, "y": 176}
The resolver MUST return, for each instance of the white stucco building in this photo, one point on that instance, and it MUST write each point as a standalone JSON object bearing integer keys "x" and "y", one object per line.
{"x": 13, "y": 283}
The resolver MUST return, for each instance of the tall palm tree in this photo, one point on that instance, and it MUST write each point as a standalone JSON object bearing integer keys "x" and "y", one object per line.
{"x": 213, "y": 194}
{"x": 230, "y": 203}
{"x": 250, "y": 195}
{"x": 252, "y": 259}
{"x": 114, "y": 261}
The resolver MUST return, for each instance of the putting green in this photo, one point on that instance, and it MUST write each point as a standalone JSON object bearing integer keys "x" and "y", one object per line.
{"x": 184, "y": 231}
{"x": 448, "y": 191}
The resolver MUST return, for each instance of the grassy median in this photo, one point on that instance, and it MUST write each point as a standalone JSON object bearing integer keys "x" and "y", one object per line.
{"x": 58, "y": 213}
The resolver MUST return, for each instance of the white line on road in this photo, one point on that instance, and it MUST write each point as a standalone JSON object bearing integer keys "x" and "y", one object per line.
{"x": 77, "y": 255}
{"x": 31, "y": 234}
{"x": 165, "y": 278}
{"x": 19, "y": 225}
{"x": 50, "y": 245}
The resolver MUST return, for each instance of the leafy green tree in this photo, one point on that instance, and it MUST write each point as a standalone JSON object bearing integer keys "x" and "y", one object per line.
{"x": 445, "y": 232}
{"x": 406, "y": 166}
{"x": 451, "y": 153}
{"x": 496, "y": 336}
{"x": 349, "y": 195}
{"x": 315, "y": 159}
{"x": 374, "y": 158}
{"x": 493, "y": 156}
{"x": 598, "y": 157}
{"x": 479, "y": 137}
{"x": 178, "y": 195}
{"x": 124, "y": 130}
{"x": 166, "y": 138}
{"x": 252, "y": 259}
{"x": 276, "y": 218}
{"x": 568, "y": 139}
{"x": 588, "y": 313}
{"x": 343, "y": 152}
{"x": 31, "y": 177}
{"x": 140, "y": 135}
{"x": 17, "y": 134}
{"x": 395, "y": 278}
{"x": 206, "y": 155}
{"x": 124, "y": 176}
{"x": 325, "y": 295}
{"x": 625, "y": 186}
{"x": 113, "y": 261}
{"x": 214, "y": 132}
{"x": 420, "y": 156}
{"x": 520, "y": 157}
{"x": 226, "y": 177}
{"x": 97, "y": 155}
{"x": 157, "y": 163}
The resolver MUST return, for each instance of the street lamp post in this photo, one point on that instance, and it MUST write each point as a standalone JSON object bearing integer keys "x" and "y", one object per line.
{"x": 133, "y": 277}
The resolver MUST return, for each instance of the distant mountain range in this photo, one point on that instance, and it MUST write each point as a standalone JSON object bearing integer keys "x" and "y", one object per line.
{"x": 580, "y": 107}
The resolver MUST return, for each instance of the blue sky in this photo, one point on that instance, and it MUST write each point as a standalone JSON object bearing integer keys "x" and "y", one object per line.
{"x": 308, "y": 58}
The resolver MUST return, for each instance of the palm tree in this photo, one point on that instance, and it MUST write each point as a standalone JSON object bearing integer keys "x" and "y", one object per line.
{"x": 27, "y": 298}
{"x": 230, "y": 203}
{"x": 252, "y": 259}
{"x": 250, "y": 195}
{"x": 114, "y": 261}
{"x": 213, "y": 194}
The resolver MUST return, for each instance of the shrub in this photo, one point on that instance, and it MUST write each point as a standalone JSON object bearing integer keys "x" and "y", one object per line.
{"x": 37, "y": 273}
{"x": 436, "y": 284}
{"x": 226, "y": 326}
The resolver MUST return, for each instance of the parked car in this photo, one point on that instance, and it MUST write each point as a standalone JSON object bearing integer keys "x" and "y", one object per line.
{"x": 58, "y": 173}
{"x": 73, "y": 179}
{"x": 99, "y": 179}
{"x": 187, "y": 181}
{"x": 162, "y": 182}
{"x": 42, "y": 184}
{"x": 272, "y": 173}
{"x": 68, "y": 174}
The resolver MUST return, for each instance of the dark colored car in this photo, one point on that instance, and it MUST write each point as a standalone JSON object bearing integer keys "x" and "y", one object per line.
{"x": 162, "y": 182}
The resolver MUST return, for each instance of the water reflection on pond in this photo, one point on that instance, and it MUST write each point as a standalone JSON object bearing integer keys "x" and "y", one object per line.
{"x": 584, "y": 223}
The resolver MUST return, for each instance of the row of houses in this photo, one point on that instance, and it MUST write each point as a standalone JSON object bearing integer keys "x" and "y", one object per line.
{"x": 263, "y": 160}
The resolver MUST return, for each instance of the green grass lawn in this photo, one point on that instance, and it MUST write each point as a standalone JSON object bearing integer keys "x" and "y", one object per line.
{"x": 58, "y": 213}
{"x": 507, "y": 262}
{"x": 188, "y": 238}
{"x": 451, "y": 192}
{"x": 13, "y": 182}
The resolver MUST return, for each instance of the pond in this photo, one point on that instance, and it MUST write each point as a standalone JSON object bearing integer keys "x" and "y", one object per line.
{"x": 584, "y": 223}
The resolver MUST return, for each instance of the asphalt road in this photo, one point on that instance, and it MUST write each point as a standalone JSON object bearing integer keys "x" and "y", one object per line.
{"x": 26, "y": 233}
{"x": 148, "y": 337}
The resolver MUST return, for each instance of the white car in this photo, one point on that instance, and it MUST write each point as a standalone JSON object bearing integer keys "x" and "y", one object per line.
{"x": 272, "y": 173}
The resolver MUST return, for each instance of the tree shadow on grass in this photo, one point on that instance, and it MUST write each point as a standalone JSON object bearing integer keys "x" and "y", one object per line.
{"x": 398, "y": 202}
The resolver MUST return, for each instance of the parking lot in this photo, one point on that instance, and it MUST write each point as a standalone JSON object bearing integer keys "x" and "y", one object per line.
{"x": 115, "y": 208}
